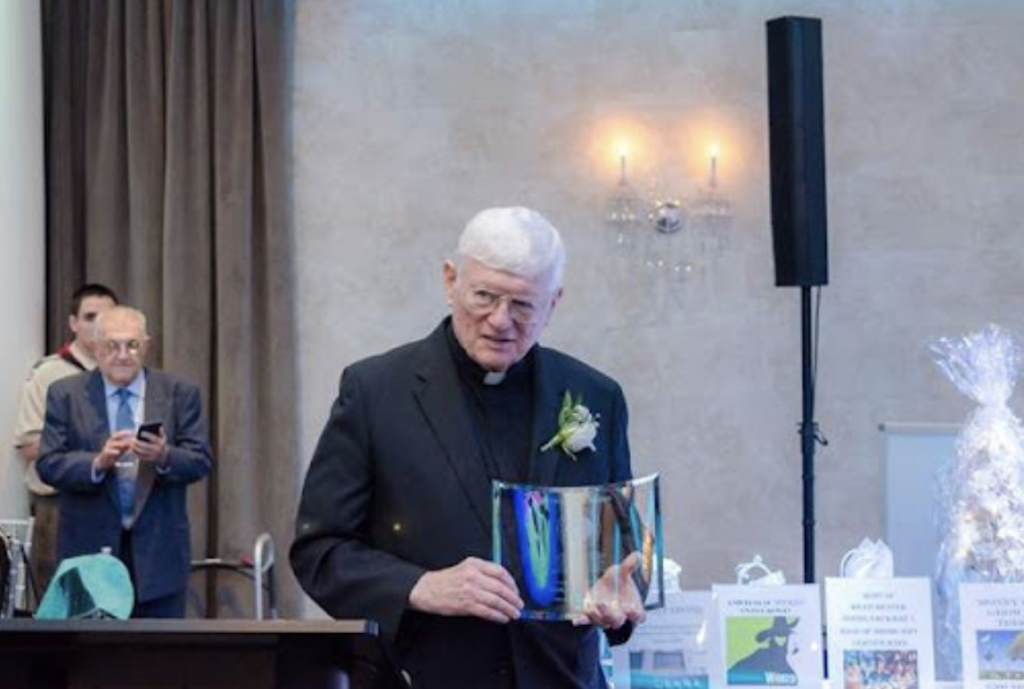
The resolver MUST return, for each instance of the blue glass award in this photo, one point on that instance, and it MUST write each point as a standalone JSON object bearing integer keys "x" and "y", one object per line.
{"x": 572, "y": 550}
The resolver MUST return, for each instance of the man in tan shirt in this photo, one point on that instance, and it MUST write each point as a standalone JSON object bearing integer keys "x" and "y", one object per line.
{"x": 74, "y": 357}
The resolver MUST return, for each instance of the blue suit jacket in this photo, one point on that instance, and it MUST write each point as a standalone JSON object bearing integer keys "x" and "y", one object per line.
{"x": 398, "y": 487}
{"x": 76, "y": 428}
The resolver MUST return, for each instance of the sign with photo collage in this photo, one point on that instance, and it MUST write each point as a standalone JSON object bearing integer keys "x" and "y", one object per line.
{"x": 880, "y": 633}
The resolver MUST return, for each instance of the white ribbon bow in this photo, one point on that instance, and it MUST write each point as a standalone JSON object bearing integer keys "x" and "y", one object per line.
{"x": 869, "y": 560}
{"x": 756, "y": 573}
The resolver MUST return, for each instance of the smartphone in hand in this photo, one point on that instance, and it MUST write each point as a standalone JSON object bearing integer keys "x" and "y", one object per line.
{"x": 153, "y": 427}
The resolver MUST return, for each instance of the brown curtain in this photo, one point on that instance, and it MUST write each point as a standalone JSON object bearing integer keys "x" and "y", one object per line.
{"x": 168, "y": 140}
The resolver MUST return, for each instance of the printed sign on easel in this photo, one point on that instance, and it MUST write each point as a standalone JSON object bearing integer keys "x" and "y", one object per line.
{"x": 767, "y": 636}
{"x": 880, "y": 633}
{"x": 670, "y": 648}
{"x": 992, "y": 635}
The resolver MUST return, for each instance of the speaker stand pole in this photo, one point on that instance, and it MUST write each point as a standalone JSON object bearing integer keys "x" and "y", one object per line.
{"x": 808, "y": 430}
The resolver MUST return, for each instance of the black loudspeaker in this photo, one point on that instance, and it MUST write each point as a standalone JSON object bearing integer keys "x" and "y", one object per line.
{"x": 796, "y": 124}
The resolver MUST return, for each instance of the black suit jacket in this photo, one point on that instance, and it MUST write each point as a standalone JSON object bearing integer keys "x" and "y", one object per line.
{"x": 90, "y": 518}
{"x": 397, "y": 487}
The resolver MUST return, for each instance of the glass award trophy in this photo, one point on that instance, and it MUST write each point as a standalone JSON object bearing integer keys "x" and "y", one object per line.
{"x": 577, "y": 549}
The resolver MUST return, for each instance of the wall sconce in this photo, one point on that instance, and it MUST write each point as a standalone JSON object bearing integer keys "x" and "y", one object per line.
{"x": 624, "y": 206}
{"x": 667, "y": 216}
{"x": 696, "y": 225}
{"x": 709, "y": 206}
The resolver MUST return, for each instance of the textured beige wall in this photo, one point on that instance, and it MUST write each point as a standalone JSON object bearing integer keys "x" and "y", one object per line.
{"x": 410, "y": 116}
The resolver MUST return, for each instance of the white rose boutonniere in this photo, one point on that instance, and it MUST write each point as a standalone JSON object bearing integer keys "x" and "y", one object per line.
{"x": 577, "y": 427}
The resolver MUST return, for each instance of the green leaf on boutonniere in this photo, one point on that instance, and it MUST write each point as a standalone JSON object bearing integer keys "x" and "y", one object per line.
{"x": 577, "y": 427}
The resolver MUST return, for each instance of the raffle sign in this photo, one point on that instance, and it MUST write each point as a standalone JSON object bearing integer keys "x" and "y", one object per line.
{"x": 992, "y": 635}
{"x": 670, "y": 649}
{"x": 768, "y": 636}
{"x": 880, "y": 633}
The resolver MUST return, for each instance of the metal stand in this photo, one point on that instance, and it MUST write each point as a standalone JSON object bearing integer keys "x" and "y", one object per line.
{"x": 259, "y": 568}
{"x": 808, "y": 427}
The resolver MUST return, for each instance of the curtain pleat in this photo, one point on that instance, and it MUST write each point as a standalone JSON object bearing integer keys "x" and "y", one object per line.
{"x": 64, "y": 31}
{"x": 144, "y": 108}
{"x": 107, "y": 241}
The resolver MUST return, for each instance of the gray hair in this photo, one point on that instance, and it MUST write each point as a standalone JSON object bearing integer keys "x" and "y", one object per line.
{"x": 118, "y": 312}
{"x": 517, "y": 240}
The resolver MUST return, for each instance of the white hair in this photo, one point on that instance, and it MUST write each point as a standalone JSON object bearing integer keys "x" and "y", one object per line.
{"x": 120, "y": 312}
{"x": 517, "y": 240}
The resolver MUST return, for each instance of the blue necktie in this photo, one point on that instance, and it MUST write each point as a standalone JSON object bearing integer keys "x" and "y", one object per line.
{"x": 125, "y": 421}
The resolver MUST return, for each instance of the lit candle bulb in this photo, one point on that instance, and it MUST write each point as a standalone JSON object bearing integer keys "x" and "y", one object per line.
{"x": 623, "y": 153}
{"x": 713, "y": 177}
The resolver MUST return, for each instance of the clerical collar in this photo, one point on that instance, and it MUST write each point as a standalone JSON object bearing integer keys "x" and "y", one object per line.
{"x": 473, "y": 372}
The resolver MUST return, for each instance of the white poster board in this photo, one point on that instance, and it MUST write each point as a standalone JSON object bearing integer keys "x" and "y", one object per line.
{"x": 767, "y": 636}
{"x": 992, "y": 635}
{"x": 880, "y": 632}
{"x": 670, "y": 649}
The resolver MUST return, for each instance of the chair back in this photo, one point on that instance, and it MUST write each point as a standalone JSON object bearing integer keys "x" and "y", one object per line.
{"x": 15, "y": 574}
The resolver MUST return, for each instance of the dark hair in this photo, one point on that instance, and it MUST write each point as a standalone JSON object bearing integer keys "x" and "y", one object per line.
{"x": 91, "y": 289}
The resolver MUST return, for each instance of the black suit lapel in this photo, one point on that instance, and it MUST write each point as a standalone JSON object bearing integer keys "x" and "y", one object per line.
{"x": 441, "y": 400}
{"x": 548, "y": 390}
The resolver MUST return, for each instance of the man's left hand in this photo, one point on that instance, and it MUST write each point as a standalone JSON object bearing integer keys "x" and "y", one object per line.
{"x": 614, "y": 598}
{"x": 150, "y": 447}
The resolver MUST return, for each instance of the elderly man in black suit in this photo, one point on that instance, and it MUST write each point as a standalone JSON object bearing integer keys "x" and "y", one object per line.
{"x": 395, "y": 518}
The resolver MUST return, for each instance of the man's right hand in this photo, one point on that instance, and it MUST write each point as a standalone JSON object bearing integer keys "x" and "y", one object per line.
{"x": 30, "y": 449}
{"x": 474, "y": 587}
{"x": 116, "y": 445}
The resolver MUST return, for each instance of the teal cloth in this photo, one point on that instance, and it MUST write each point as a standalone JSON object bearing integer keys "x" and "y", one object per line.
{"x": 88, "y": 586}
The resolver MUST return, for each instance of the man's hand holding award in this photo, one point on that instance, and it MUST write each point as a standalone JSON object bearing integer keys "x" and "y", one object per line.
{"x": 589, "y": 554}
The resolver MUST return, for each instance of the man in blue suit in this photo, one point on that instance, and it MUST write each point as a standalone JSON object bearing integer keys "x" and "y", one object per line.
{"x": 395, "y": 519}
{"x": 121, "y": 487}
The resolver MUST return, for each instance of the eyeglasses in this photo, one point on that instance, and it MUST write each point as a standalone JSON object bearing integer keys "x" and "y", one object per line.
{"x": 112, "y": 347}
{"x": 482, "y": 302}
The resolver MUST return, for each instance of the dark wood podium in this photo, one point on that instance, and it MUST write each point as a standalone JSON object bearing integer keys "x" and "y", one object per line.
{"x": 206, "y": 654}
